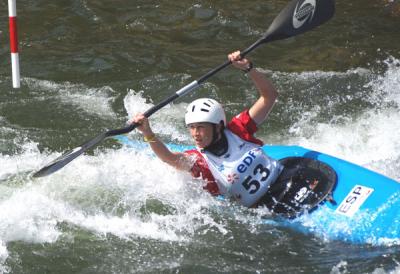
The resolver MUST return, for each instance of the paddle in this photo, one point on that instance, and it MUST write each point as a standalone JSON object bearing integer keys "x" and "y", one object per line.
{"x": 297, "y": 17}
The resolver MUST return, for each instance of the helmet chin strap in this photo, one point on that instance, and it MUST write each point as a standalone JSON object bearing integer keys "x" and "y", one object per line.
{"x": 219, "y": 143}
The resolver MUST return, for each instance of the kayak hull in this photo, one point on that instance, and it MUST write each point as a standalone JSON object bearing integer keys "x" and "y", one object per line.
{"x": 365, "y": 205}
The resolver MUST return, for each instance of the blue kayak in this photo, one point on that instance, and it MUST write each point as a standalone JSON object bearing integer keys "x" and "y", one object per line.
{"x": 364, "y": 206}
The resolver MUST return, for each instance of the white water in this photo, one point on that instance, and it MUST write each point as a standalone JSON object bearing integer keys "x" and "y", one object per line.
{"x": 109, "y": 193}
{"x": 112, "y": 192}
{"x": 372, "y": 139}
{"x": 90, "y": 100}
{"x": 341, "y": 268}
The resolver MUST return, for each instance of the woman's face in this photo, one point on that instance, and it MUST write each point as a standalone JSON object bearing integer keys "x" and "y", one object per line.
{"x": 202, "y": 134}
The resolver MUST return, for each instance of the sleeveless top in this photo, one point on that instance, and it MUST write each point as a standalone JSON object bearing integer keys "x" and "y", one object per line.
{"x": 244, "y": 172}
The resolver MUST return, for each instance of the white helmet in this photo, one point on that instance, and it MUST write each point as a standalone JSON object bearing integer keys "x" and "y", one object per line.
{"x": 205, "y": 110}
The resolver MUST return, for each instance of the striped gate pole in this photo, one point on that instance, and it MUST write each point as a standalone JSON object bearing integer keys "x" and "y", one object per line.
{"x": 12, "y": 13}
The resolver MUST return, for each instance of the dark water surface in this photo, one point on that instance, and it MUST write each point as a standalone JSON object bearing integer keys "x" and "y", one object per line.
{"x": 88, "y": 66}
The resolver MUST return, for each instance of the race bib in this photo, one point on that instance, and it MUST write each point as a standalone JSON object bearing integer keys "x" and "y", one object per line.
{"x": 252, "y": 175}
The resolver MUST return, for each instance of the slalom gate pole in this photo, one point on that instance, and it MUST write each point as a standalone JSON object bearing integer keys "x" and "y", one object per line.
{"x": 12, "y": 13}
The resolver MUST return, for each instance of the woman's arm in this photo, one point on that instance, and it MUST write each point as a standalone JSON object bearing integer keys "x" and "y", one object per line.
{"x": 268, "y": 94}
{"x": 178, "y": 160}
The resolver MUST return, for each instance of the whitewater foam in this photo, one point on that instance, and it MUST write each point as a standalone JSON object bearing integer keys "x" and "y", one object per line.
{"x": 124, "y": 193}
{"x": 131, "y": 194}
{"x": 370, "y": 138}
{"x": 162, "y": 120}
{"x": 96, "y": 101}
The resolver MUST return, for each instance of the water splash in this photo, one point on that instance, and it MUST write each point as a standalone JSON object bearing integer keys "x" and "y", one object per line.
{"x": 123, "y": 192}
{"x": 96, "y": 101}
{"x": 362, "y": 228}
{"x": 134, "y": 103}
{"x": 369, "y": 137}
{"x": 131, "y": 195}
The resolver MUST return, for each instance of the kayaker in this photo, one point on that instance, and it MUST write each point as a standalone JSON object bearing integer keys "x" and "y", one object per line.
{"x": 227, "y": 156}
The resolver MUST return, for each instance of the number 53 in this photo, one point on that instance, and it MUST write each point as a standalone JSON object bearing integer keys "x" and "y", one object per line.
{"x": 254, "y": 185}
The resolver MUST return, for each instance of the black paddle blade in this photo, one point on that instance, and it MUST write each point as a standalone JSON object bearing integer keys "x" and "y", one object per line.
{"x": 299, "y": 16}
{"x": 68, "y": 157}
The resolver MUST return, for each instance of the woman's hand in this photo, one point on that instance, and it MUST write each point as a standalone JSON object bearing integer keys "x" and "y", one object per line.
{"x": 239, "y": 62}
{"x": 143, "y": 124}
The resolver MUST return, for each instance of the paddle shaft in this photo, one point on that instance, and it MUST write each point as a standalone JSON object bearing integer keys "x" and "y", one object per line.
{"x": 297, "y": 17}
{"x": 182, "y": 92}
{"x": 71, "y": 155}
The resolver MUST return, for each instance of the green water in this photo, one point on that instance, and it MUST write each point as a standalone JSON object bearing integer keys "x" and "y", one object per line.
{"x": 87, "y": 66}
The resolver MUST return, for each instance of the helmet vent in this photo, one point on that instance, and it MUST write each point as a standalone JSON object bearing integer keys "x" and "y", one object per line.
{"x": 204, "y": 110}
